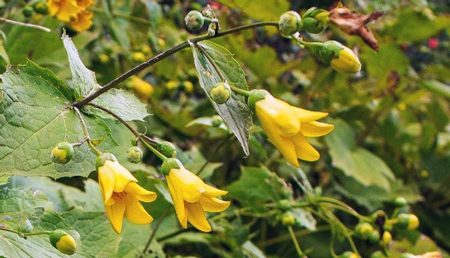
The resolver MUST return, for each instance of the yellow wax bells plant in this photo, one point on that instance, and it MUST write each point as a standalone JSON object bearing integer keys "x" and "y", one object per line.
{"x": 161, "y": 187}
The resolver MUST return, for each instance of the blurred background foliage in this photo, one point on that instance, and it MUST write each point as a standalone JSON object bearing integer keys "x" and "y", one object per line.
{"x": 391, "y": 137}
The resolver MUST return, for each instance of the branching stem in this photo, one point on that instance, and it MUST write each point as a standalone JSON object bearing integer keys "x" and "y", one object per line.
{"x": 86, "y": 132}
{"x": 163, "y": 55}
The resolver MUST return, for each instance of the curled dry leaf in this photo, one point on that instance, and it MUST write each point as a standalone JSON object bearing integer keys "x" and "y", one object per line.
{"x": 354, "y": 23}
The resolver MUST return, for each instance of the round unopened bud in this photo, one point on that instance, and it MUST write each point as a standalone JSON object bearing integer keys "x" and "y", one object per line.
{"x": 167, "y": 149}
{"x": 27, "y": 11}
{"x": 101, "y": 159}
{"x": 315, "y": 20}
{"x": 255, "y": 96}
{"x": 348, "y": 254}
{"x": 40, "y": 7}
{"x": 146, "y": 50}
{"x": 288, "y": 219}
{"x": 170, "y": 164}
{"x": 338, "y": 56}
{"x": 220, "y": 92}
{"x": 138, "y": 57}
{"x": 413, "y": 222}
{"x": 285, "y": 204}
{"x": 387, "y": 238}
{"x": 374, "y": 237}
{"x": 289, "y": 23}
{"x": 216, "y": 121}
{"x": 194, "y": 20}
{"x": 400, "y": 202}
{"x": 134, "y": 154}
{"x": 103, "y": 58}
{"x": 408, "y": 221}
{"x": 363, "y": 230}
{"x": 63, "y": 242}
{"x": 377, "y": 254}
{"x": 26, "y": 226}
{"x": 62, "y": 153}
{"x": 187, "y": 86}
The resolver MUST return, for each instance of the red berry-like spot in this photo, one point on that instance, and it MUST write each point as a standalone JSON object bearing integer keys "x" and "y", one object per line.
{"x": 433, "y": 43}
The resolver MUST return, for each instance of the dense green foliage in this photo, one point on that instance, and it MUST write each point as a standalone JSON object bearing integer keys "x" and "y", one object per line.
{"x": 391, "y": 136}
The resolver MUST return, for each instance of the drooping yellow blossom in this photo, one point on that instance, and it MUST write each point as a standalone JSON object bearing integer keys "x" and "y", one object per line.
{"x": 82, "y": 22}
{"x": 288, "y": 126}
{"x": 72, "y": 12}
{"x": 122, "y": 195}
{"x": 65, "y": 10}
{"x": 142, "y": 89}
{"x": 192, "y": 197}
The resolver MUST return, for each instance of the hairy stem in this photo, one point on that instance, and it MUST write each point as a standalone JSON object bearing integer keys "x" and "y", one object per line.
{"x": 34, "y": 26}
{"x": 163, "y": 55}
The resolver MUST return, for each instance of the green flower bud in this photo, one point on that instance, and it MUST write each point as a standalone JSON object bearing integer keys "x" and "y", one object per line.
{"x": 27, "y": 11}
{"x": 103, "y": 58}
{"x": 62, "y": 153}
{"x": 255, "y": 96}
{"x": 289, "y": 23}
{"x": 169, "y": 164}
{"x": 315, "y": 20}
{"x": 339, "y": 57}
{"x": 374, "y": 237}
{"x": 377, "y": 254}
{"x": 288, "y": 219}
{"x": 408, "y": 221}
{"x": 167, "y": 149}
{"x": 138, "y": 57}
{"x": 63, "y": 242}
{"x": 26, "y": 226}
{"x": 40, "y": 7}
{"x": 101, "y": 159}
{"x": 216, "y": 121}
{"x": 134, "y": 154}
{"x": 348, "y": 254}
{"x": 285, "y": 204}
{"x": 400, "y": 202}
{"x": 387, "y": 238}
{"x": 194, "y": 20}
{"x": 363, "y": 230}
{"x": 220, "y": 92}
{"x": 413, "y": 222}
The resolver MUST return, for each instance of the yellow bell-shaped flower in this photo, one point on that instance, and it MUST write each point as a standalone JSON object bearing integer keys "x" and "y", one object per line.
{"x": 82, "y": 21}
{"x": 65, "y": 10}
{"x": 288, "y": 126}
{"x": 192, "y": 197}
{"x": 121, "y": 194}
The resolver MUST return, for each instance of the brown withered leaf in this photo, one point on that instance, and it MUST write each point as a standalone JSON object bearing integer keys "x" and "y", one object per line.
{"x": 354, "y": 23}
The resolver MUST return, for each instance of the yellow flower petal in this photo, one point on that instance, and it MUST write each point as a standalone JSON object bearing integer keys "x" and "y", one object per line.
{"x": 213, "y": 204}
{"x": 304, "y": 150}
{"x": 68, "y": 10}
{"x": 140, "y": 193}
{"x": 177, "y": 199}
{"x": 307, "y": 116}
{"x": 281, "y": 113}
{"x": 283, "y": 144}
{"x": 84, "y": 3}
{"x": 134, "y": 212}
{"x": 106, "y": 181}
{"x": 192, "y": 186}
{"x": 213, "y": 192}
{"x": 121, "y": 175}
{"x": 115, "y": 214}
{"x": 197, "y": 217}
{"x": 82, "y": 21}
{"x": 316, "y": 129}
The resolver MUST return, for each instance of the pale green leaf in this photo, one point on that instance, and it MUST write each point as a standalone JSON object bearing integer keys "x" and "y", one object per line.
{"x": 234, "y": 112}
{"x": 83, "y": 79}
{"x": 122, "y": 103}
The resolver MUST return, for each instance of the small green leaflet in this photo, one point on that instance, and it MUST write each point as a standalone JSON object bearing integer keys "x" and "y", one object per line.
{"x": 235, "y": 111}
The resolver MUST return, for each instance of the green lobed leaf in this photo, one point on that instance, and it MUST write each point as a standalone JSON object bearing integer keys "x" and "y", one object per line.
{"x": 235, "y": 111}
{"x": 356, "y": 162}
{"x": 122, "y": 103}
{"x": 35, "y": 115}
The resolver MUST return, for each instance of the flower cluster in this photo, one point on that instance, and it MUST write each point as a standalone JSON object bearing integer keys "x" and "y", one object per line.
{"x": 73, "y": 12}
